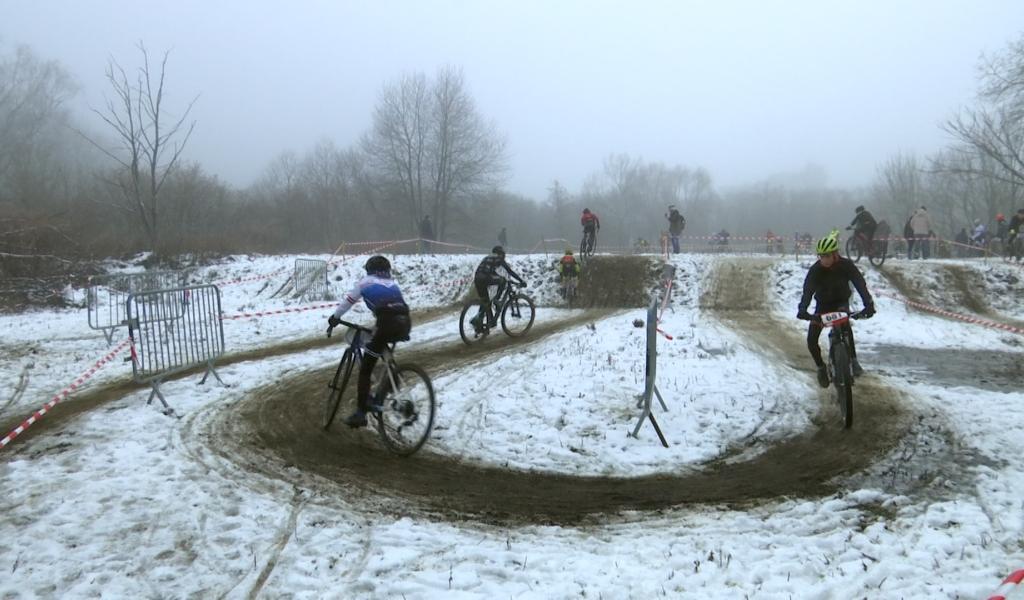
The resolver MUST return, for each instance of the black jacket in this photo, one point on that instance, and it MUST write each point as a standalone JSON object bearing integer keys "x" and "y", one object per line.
{"x": 1015, "y": 223}
{"x": 864, "y": 221}
{"x": 488, "y": 268}
{"x": 831, "y": 287}
{"x": 676, "y": 222}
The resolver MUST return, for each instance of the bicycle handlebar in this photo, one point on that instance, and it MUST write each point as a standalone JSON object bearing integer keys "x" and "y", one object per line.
{"x": 350, "y": 325}
{"x": 857, "y": 315}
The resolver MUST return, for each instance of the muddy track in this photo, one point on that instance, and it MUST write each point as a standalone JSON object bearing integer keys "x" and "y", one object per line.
{"x": 959, "y": 290}
{"x": 92, "y": 398}
{"x": 276, "y": 432}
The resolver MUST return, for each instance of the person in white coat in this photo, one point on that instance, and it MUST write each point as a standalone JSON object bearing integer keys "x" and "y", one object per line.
{"x": 921, "y": 224}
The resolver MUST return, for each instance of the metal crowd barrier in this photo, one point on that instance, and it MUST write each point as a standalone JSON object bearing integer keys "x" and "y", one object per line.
{"x": 172, "y": 331}
{"x": 651, "y": 369}
{"x": 310, "y": 279}
{"x": 106, "y": 296}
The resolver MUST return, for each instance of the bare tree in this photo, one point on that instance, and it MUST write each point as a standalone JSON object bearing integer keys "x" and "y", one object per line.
{"x": 397, "y": 142}
{"x": 558, "y": 202}
{"x": 430, "y": 139}
{"x": 150, "y": 141}
{"x": 995, "y": 128}
{"x": 32, "y": 95}
{"x": 467, "y": 154}
{"x": 899, "y": 182}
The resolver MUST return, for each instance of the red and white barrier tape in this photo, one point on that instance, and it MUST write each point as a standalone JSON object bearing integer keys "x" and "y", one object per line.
{"x": 279, "y": 311}
{"x": 947, "y": 313}
{"x": 1009, "y": 584}
{"x": 63, "y": 394}
{"x": 385, "y": 244}
{"x": 381, "y": 246}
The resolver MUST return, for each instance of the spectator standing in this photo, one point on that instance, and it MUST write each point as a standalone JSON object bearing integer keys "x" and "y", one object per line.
{"x": 426, "y": 234}
{"x": 503, "y": 238}
{"x": 908, "y": 235}
{"x": 1001, "y": 230}
{"x": 921, "y": 224}
{"x": 676, "y": 225}
{"x": 961, "y": 240}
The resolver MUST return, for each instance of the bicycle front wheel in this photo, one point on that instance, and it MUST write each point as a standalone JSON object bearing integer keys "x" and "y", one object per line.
{"x": 337, "y": 387}
{"x": 843, "y": 383}
{"x": 853, "y": 251}
{"x": 517, "y": 316}
{"x": 407, "y": 415}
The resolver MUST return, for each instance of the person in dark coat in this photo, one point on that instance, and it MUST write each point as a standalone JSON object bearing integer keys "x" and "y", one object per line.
{"x": 426, "y": 234}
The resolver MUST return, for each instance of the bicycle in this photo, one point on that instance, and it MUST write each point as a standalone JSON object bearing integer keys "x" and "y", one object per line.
{"x": 859, "y": 245}
{"x": 840, "y": 363}
{"x": 588, "y": 243}
{"x": 515, "y": 311}
{"x": 568, "y": 290}
{"x": 403, "y": 403}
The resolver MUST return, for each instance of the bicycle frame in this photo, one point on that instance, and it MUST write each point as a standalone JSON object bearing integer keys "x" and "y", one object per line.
{"x": 835, "y": 321}
{"x": 387, "y": 355}
{"x": 588, "y": 244}
{"x": 841, "y": 370}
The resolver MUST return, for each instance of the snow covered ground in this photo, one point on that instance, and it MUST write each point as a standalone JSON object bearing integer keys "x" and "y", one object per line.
{"x": 124, "y": 501}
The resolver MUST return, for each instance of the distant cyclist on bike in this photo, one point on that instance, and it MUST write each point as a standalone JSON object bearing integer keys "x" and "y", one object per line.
{"x": 979, "y": 234}
{"x": 863, "y": 226}
{"x": 568, "y": 269}
{"x": 487, "y": 274}
{"x": 382, "y": 296}
{"x": 591, "y": 225}
{"x": 828, "y": 281}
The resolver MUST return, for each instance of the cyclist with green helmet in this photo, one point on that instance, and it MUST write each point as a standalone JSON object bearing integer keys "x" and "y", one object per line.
{"x": 828, "y": 281}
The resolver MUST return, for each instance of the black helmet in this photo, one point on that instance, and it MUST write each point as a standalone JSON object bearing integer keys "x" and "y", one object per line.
{"x": 859, "y": 209}
{"x": 586, "y": 210}
{"x": 498, "y": 250}
{"x": 378, "y": 264}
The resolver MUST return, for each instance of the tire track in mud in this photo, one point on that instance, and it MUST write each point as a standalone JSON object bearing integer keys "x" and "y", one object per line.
{"x": 90, "y": 399}
{"x": 277, "y": 433}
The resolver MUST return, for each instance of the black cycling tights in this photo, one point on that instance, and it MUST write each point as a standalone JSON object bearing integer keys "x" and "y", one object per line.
{"x": 814, "y": 332}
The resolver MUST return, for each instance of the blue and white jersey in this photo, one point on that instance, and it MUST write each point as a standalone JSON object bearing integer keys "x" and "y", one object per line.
{"x": 381, "y": 294}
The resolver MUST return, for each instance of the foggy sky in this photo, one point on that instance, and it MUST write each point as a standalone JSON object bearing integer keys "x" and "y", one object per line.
{"x": 745, "y": 89}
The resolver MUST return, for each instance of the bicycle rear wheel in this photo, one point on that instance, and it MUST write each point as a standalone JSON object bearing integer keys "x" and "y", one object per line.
{"x": 843, "y": 382}
{"x": 853, "y": 251}
{"x": 407, "y": 415}
{"x": 878, "y": 251}
{"x": 337, "y": 387}
{"x": 517, "y": 316}
{"x": 466, "y": 330}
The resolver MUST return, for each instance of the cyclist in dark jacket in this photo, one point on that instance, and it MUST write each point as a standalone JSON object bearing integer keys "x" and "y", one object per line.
{"x": 828, "y": 281}
{"x": 383, "y": 297}
{"x": 863, "y": 223}
{"x": 487, "y": 274}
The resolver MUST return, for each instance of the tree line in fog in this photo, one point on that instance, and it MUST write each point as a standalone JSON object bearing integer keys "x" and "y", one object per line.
{"x": 126, "y": 184}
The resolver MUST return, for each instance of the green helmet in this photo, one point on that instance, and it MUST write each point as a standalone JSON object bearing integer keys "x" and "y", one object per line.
{"x": 828, "y": 245}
